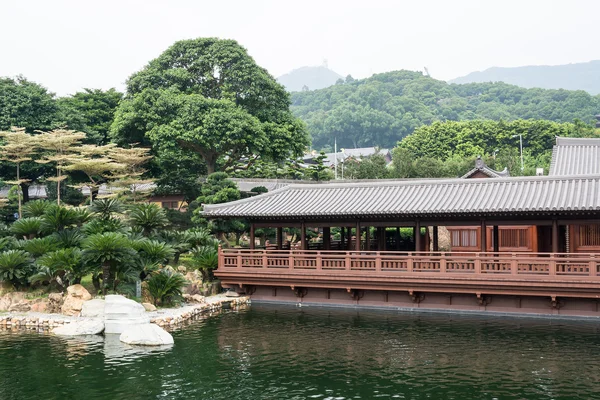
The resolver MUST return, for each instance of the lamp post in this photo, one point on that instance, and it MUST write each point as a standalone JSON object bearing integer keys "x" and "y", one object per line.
{"x": 521, "y": 146}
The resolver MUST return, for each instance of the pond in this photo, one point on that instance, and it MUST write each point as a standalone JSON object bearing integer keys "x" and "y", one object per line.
{"x": 280, "y": 352}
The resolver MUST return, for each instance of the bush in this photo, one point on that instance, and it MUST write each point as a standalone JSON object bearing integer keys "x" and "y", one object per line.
{"x": 15, "y": 267}
{"x": 165, "y": 286}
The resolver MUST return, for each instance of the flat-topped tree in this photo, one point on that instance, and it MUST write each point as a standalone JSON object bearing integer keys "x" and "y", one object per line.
{"x": 130, "y": 177}
{"x": 18, "y": 147}
{"x": 95, "y": 163}
{"x": 209, "y": 97}
{"x": 59, "y": 146}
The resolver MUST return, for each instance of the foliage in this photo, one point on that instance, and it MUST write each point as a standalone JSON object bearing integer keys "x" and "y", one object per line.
{"x": 153, "y": 254}
{"x": 383, "y": 109}
{"x": 371, "y": 167}
{"x": 165, "y": 286}
{"x": 318, "y": 171}
{"x": 38, "y": 246}
{"x": 106, "y": 208}
{"x": 27, "y": 104}
{"x": 64, "y": 266}
{"x": 208, "y": 97}
{"x": 206, "y": 259}
{"x": 27, "y": 228}
{"x": 148, "y": 217}
{"x": 15, "y": 267}
{"x": 35, "y": 208}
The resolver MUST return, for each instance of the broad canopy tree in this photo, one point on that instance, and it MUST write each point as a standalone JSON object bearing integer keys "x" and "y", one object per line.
{"x": 211, "y": 98}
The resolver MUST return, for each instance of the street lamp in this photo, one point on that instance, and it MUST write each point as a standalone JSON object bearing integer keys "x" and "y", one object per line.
{"x": 521, "y": 145}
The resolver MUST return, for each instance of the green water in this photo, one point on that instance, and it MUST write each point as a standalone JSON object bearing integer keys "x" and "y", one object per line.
{"x": 269, "y": 352}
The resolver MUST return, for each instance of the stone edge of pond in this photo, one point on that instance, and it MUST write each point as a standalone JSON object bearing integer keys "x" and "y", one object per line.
{"x": 167, "y": 317}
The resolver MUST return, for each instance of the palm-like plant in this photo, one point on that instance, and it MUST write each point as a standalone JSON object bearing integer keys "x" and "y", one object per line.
{"x": 106, "y": 208}
{"x": 7, "y": 243}
{"x": 15, "y": 266}
{"x": 27, "y": 228}
{"x": 68, "y": 237}
{"x": 165, "y": 286}
{"x": 65, "y": 266}
{"x": 148, "y": 217}
{"x": 38, "y": 246}
{"x": 108, "y": 250}
{"x": 35, "y": 208}
{"x": 206, "y": 259}
{"x": 152, "y": 254}
{"x": 56, "y": 218}
{"x": 97, "y": 226}
{"x": 82, "y": 215}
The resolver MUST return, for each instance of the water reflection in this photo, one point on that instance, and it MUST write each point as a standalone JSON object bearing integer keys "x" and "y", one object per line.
{"x": 289, "y": 353}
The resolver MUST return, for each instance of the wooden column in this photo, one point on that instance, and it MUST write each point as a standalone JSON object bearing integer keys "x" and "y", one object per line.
{"x": 342, "y": 237}
{"x": 381, "y": 238}
{"x": 252, "y": 237}
{"x": 483, "y": 235}
{"x": 279, "y": 238}
{"x": 367, "y": 238}
{"x": 554, "y": 236}
{"x": 326, "y": 238}
{"x": 397, "y": 238}
{"x": 348, "y": 238}
{"x": 436, "y": 244}
{"x": 417, "y": 233}
{"x": 496, "y": 239}
{"x": 303, "y": 243}
{"x": 357, "y": 235}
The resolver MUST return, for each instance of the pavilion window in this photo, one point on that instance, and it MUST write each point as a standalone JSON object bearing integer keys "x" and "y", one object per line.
{"x": 514, "y": 237}
{"x": 589, "y": 235}
{"x": 464, "y": 238}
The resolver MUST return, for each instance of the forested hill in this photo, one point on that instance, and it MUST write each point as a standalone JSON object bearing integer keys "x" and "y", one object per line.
{"x": 382, "y": 109}
{"x": 579, "y": 76}
{"x": 309, "y": 78}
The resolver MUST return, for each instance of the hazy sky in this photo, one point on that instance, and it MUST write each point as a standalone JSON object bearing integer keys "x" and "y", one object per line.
{"x": 70, "y": 44}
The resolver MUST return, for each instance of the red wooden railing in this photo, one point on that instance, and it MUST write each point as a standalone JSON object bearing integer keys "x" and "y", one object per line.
{"x": 533, "y": 266}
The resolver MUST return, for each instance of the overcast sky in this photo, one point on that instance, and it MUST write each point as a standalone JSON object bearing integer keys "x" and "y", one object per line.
{"x": 67, "y": 45}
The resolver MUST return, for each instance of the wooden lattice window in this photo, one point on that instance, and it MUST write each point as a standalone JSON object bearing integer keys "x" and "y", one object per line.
{"x": 589, "y": 235}
{"x": 514, "y": 237}
{"x": 464, "y": 238}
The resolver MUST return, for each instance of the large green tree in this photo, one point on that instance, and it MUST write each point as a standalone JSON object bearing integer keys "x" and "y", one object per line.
{"x": 26, "y": 104}
{"x": 91, "y": 111}
{"x": 211, "y": 98}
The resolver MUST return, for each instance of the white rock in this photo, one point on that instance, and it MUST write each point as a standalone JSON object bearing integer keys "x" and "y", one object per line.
{"x": 149, "y": 307}
{"x": 83, "y": 327}
{"x": 121, "y": 313}
{"x": 146, "y": 335}
{"x": 93, "y": 309}
{"x": 231, "y": 293}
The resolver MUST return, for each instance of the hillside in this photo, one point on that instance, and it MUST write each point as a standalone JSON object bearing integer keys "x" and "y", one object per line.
{"x": 312, "y": 77}
{"x": 382, "y": 109}
{"x": 581, "y": 76}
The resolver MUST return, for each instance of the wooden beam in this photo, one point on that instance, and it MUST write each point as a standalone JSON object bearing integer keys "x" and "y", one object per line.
{"x": 483, "y": 234}
{"x": 496, "y": 239}
{"x": 381, "y": 238}
{"x": 357, "y": 235}
{"x": 367, "y": 238}
{"x": 436, "y": 239}
{"x": 326, "y": 238}
{"x": 417, "y": 233}
{"x": 342, "y": 237}
{"x": 554, "y": 236}
{"x": 252, "y": 237}
{"x": 303, "y": 242}
{"x": 279, "y": 238}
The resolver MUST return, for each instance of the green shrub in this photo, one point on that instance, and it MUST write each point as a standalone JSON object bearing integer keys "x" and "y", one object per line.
{"x": 165, "y": 286}
{"x": 27, "y": 228}
{"x": 15, "y": 267}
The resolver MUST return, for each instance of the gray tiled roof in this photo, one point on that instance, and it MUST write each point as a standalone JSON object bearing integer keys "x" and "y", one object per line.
{"x": 422, "y": 197}
{"x": 575, "y": 156}
{"x": 342, "y": 155}
{"x": 480, "y": 166}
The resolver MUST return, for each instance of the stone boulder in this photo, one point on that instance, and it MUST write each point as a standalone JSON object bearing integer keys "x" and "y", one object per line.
{"x": 81, "y": 327}
{"x": 194, "y": 285}
{"x": 5, "y": 303}
{"x": 146, "y": 335}
{"x": 195, "y": 298}
{"x": 55, "y": 302}
{"x": 76, "y": 296}
{"x": 93, "y": 309}
{"x": 21, "y": 306}
{"x": 121, "y": 313}
{"x": 39, "y": 305}
{"x": 232, "y": 293}
{"x": 149, "y": 307}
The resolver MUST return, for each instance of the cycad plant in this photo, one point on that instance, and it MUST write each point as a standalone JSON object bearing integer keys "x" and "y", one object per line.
{"x": 56, "y": 218}
{"x": 15, "y": 266}
{"x": 108, "y": 250}
{"x": 65, "y": 267}
{"x": 68, "y": 237}
{"x": 165, "y": 286}
{"x": 27, "y": 228}
{"x": 35, "y": 208}
{"x": 106, "y": 208}
{"x": 152, "y": 254}
{"x": 148, "y": 217}
{"x": 206, "y": 259}
{"x": 38, "y": 246}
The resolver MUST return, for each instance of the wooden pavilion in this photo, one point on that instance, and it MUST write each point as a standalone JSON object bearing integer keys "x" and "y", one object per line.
{"x": 374, "y": 271}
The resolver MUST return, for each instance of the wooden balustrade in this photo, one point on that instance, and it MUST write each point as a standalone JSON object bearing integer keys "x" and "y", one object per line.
{"x": 530, "y": 265}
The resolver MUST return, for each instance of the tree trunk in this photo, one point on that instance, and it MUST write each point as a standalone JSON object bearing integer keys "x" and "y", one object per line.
{"x": 96, "y": 282}
{"x": 106, "y": 278}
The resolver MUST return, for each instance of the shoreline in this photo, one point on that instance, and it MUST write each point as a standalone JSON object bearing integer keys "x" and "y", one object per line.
{"x": 164, "y": 317}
